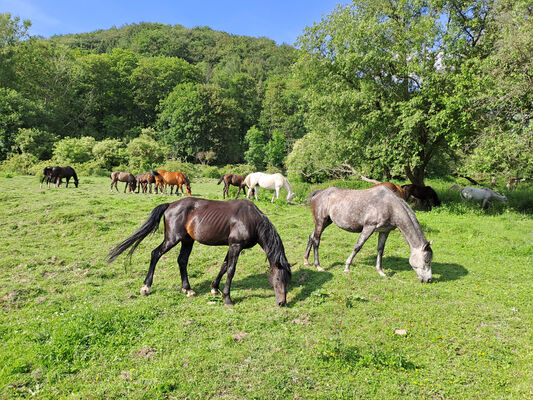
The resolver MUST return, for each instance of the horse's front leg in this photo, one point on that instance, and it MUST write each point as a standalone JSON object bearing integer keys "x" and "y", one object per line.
{"x": 365, "y": 234}
{"x": 233, "y": 256}
{"x": 183, "y": 259}
{"x": 238, "y": 192}
{"x": 382, "y": 238}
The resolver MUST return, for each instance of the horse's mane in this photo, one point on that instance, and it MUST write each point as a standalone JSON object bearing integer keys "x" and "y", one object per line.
{"x": 271, "y": 243}
{"x": 312, "y": 195}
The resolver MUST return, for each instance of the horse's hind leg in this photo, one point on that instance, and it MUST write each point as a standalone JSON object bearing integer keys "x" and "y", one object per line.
{"x": 365, "y": 234}
{"x": 314, "y": 242}
{"x": 216, "y": 283}
{"x": 156, "y": 255}
{"x": 382, "y": 238}
{"x": 183, "y": 259}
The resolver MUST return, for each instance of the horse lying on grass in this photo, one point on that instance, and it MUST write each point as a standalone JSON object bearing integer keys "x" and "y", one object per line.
{"x": 238, "y": 224}
{"x": 422, "y": 194}
{"x": 484, "y": 195}
{"x": 367, "y": 211}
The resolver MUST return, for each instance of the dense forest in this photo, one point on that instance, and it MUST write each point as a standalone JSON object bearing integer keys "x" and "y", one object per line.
{"x": 385, "y": 88}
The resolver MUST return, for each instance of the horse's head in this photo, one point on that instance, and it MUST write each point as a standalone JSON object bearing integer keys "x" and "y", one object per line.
{"x": 187, "y": 187}
{"x": 420, "y": 260}
{"x": 290, "y": 197}
{"x": 279, "y": 279}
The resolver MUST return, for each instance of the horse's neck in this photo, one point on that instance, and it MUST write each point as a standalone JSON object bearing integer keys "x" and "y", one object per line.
{"x": 287, "y": 186}
{"x": 410, "y": 228}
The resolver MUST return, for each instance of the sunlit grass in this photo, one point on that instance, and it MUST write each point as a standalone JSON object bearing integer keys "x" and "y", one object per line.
{"x": 73, "y": 326}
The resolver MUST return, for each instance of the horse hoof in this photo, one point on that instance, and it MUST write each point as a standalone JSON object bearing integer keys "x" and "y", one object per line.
{"x": 319, "y": 268}
{"x": 215, "y": 291}
{"x": 347, "y": 269}
{"x": 145, "y": 290}
{"x": 306, "y": 263}
{"x": 191, "y": 293}
{"x": 382, "y": 274}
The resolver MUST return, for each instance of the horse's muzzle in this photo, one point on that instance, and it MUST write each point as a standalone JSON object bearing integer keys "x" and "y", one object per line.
{"x": 281, "y": 303}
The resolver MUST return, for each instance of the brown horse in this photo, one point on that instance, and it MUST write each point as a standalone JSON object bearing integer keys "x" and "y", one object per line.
{"x": 173, "y": 178}
{"x": 238, "y": 224}
{"x": 235, "y": 180}
{"x": 56, "y": 174}
{"x": 424, "y": 195}
{"x": 397, "y": 189}
{"x": 118, "y": 176}
{"x": 144, "y": 181}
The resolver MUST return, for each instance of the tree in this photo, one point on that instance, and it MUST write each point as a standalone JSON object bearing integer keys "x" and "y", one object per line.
{"x": 145, "y": 153}
{"x": 110, "y": 153}
{"x": 196, "y": 118}
{"x": 12, "y": 30}
{"x": 35, "y": 142}
{"x": 74, "y": 150}
{"x": 255, "y": 155}
{"x": 392, "y": 82}
{"x": 276, "y": 149}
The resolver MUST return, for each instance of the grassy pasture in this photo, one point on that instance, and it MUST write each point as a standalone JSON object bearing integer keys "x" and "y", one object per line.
{"x": 75, "y": 327}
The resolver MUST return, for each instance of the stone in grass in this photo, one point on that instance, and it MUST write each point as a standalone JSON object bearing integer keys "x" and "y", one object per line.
{"x": 239, "y": 336}
{"x": 401, "y": 332}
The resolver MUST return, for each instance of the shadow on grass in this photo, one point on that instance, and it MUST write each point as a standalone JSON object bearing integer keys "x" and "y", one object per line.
{"x": 442, "y": 272}
{"x": 307, "y": 279}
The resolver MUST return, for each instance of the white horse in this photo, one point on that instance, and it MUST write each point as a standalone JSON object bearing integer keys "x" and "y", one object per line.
{"x": 485, "y": 195}
{"x": 268, "y": 181}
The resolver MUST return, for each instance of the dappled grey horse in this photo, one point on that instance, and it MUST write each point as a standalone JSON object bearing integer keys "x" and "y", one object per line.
{"x": 367, "y": 211}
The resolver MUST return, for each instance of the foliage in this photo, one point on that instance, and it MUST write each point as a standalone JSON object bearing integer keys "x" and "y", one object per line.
{"x": 19, "y": 163}
{"x": 144, "y": 153}
{"x": 73, "y": 150}
{"x": 36, "y": 142}
{"x": 197, "y": 118}
{"x": 255, "y": 141}
{"x": 275, "y": 149}
{"x": 12, "y": 29}
{"x": 109, "y": 153}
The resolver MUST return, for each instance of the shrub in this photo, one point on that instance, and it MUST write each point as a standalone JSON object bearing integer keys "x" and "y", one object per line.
{"x": 36, "y": 142}
{"x": 19, "y": 164}
{"x": 109, "y": 153}
{"x": 144, "y": 153}
{"x": 73, "y": 150}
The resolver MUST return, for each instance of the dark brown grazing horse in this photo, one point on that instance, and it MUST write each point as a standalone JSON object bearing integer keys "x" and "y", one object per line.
{"x": 397, "y": 189}
{"x": 144, "y": 181}
{"x": 238, "y": 224}
{"x": 118, "y": 176}
{"x": 235, "y": 180}
{"x": 56, "y": 174}
{"x": 422, "y": 194}
{"x": 174, "y": 179}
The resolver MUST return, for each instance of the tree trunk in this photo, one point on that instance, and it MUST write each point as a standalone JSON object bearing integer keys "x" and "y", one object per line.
{"x": 415, "y": 175}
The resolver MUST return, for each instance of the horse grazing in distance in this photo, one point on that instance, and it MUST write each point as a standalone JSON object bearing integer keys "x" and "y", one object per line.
{"x": 144, "y": 181}
{"x": 367, "y": 211}
{"x": 484, "y": 195}
{"x": 423, "y": 194}
{"x": 397, "y": 189}
{"x": 56, "y": 174}
{"x": 268, "y": 181}
{"x": 231, "y": 179}
{"x": 118, "y": 176}
{"x": 238, "y": 224}
{"x": 173, "y": 179}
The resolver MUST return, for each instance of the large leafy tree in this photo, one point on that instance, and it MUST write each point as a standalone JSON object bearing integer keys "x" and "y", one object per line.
{"x": 198, "y": 118}
{"x": 391, "y": 81}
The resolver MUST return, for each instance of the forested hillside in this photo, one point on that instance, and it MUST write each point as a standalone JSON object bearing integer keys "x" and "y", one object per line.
{"x": 400, "y": 89}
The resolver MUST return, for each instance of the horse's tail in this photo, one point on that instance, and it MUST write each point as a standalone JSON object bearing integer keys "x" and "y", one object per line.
{"x": 74, "y": 174}
{"x": 149, "y": 226}
{"x": 455, "y": 186}
{"x": 435, "y": 197}
{"x": 221, "y": 179}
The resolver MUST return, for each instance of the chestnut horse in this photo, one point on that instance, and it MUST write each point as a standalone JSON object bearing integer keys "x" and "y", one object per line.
{"x": 171, "y": 179}
{"x": 397, "y": 189}
{"x": 235, "y": 180}
{"x": 238, "y": 224}
{"x": 117, "y": 176}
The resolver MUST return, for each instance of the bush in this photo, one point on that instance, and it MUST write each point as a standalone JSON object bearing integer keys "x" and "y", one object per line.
{"x": 109, "y": 153}
{"x": 144, "y": 153}
{"x": 19, "y": 164}
{"x": 36, "y": 142}
{"x": 73, "y": 150}
{"x": 189, "y": 169}
{"x": 211, "y": 172}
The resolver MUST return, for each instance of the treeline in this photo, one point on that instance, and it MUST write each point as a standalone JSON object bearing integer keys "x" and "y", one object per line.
{"x": 399, "y": 89}
{"x": 197, "y": 91}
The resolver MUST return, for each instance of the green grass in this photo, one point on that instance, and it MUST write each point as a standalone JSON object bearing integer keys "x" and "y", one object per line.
{"x": 75, "y": 327}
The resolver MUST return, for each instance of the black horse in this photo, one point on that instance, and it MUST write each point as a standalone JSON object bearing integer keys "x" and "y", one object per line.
{"x": 238, "y": 224}
{"x": 56, "y": 174}
{"x": 422, "y": 194}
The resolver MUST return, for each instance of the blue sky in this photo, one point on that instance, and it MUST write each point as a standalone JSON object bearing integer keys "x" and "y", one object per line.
{"x": 282, "y": 21}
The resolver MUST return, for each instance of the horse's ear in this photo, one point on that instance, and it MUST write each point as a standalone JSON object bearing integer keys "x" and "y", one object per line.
{"x": 426, "y": 246}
